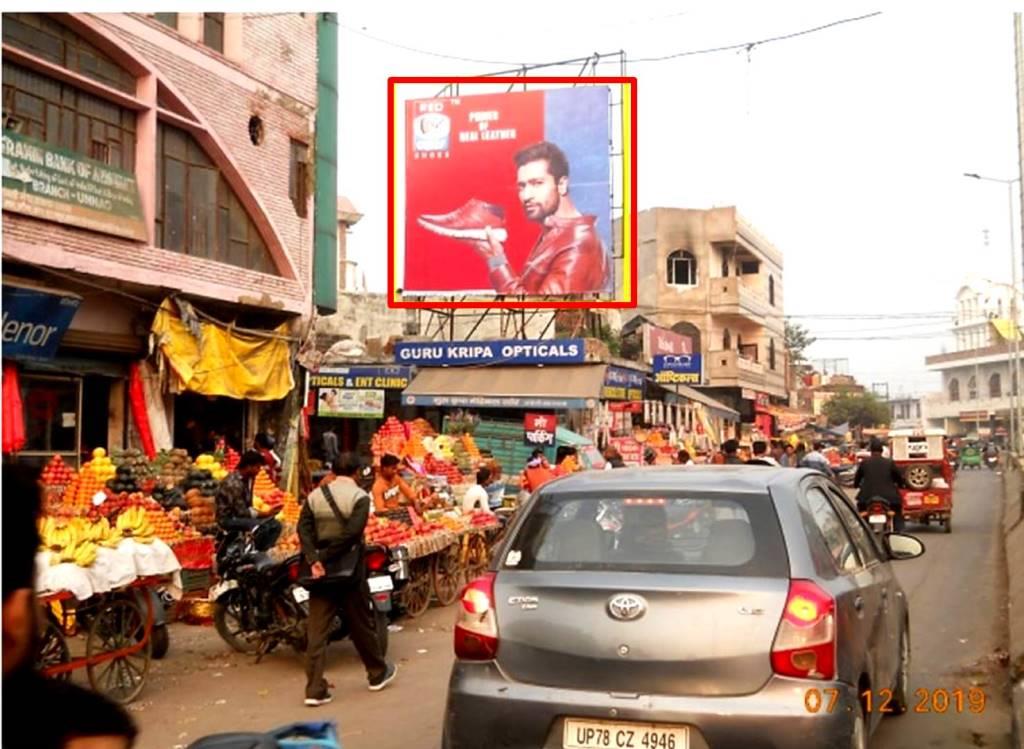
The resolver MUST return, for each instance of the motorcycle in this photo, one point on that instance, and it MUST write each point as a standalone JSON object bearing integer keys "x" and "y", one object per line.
{"x": 259, "y": 603}
{"x": 879, "y": 517}
{"x": 992, "y": 461}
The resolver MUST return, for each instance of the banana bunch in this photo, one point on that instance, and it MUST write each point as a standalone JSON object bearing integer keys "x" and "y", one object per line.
{"x": 84, "y": 553}
{"x": 68, "y": 541}
{"x": 133, "y": 523}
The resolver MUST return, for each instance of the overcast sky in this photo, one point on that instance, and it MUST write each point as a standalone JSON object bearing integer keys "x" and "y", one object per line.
{"x": 844, "y": 147}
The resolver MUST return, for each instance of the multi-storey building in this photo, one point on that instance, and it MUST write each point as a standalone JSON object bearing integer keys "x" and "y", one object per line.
{"x": 977, "y": 376}
{"x": 149, "y": 156}
{"x": 711, "y": 276}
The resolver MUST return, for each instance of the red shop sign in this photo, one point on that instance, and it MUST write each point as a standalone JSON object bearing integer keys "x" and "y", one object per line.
{"x": 626, "y": 407}
{"x": 539, "y": 429}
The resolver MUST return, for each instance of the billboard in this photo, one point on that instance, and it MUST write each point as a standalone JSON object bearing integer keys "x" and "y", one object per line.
{"x": 509, "y": 352}
{"x": 533, "y": 167}
{"x": 34, "y": 321}
{"x": 539, "y": 429}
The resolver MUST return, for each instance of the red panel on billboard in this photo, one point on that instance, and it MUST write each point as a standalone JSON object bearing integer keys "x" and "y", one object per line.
{"x": 462, "y": 177}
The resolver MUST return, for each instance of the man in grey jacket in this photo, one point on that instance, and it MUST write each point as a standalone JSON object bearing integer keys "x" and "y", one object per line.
{"x": 324, "y": 539}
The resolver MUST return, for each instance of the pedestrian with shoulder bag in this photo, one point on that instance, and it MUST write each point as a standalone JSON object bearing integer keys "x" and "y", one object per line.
{"x": 330, "y": 529}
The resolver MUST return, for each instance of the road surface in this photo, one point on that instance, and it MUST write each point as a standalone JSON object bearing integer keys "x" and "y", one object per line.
{"x": 957, "y": 597}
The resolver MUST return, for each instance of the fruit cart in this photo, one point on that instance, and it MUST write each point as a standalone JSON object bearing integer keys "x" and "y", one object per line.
{"x": 442, "y": 563}
{"x": 118, "y": 642}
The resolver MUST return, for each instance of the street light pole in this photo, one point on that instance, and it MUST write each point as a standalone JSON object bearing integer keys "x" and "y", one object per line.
{"x": 1015, "y": 396}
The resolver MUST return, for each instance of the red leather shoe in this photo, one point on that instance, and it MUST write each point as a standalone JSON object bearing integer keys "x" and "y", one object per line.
{"x": 468, "y": 222}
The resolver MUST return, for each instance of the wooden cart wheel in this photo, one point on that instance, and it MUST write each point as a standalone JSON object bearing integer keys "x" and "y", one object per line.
{"x": 447, "y": 573}
{"x": 53, "y": 650}
{"x": 118, "y": 627}
{"x": 477, "y": 557}
{"x": 415, "y": 596}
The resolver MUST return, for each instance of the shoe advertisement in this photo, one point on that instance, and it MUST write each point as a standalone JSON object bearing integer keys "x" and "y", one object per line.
{"x": 508, "y": 194}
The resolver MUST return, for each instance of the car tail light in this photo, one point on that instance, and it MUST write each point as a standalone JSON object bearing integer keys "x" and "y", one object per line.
{"x": 805, "y": 644}
{"x": 476, "y": 629}
{"x": 376, "y": 560}
{"x": 293, "y": 572}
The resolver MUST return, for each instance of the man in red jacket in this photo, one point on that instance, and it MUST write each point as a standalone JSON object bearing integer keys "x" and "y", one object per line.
{"x": 569, "y": 257}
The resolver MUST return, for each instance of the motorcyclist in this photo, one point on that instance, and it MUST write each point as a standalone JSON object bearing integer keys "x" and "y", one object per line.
{"x": 878, "y": 476}
{"x": 991, "y": 454}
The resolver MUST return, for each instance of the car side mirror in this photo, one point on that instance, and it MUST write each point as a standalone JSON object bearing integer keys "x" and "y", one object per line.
{"x": 902, "y": 546}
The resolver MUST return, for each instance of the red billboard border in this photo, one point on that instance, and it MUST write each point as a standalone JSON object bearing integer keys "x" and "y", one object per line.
{"x": 394, "y": 303}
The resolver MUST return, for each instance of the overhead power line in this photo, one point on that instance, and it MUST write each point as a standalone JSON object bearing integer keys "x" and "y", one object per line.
{"x": 577, "y": 60}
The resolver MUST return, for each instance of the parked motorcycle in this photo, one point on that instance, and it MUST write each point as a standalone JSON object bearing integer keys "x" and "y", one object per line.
{"x": 260, "y": 605}
{"x": 879, "y": 517}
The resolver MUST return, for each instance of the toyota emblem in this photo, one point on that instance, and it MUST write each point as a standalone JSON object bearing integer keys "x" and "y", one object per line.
{"x": 627, "y": 606}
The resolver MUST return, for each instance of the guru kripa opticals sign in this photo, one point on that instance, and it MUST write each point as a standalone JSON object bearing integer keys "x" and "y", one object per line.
{"x": 468, "y": 353}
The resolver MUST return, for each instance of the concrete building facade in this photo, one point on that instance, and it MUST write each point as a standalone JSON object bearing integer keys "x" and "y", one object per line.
{"x": 710, "y": 275}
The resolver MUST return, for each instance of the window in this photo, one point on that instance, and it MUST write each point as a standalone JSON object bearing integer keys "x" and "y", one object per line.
{"x": 995, "y": 386}
{"x": 918, "y": 409}
{"x": 197, "y": 211}
{"x": 954, "y": 389}
{"x": 771, "y": 290}
{"x": 771, "y": 353}
{"x": 725, "y": 268}
{"x": 167, "y": 19}
{"x": 40, "y": 35}
{"x": 213, "y": 31}
{"x": 61, "y": 115}
{"x": 861, "y": 537}
{"x": 844, "y": 553}
{"x": 682, "y": 269}
{"x": 51, "y": 407}
{"x": 750, "y": 267}
{"x": 726, "y": 340}
{"x": 298, "y": 178}
{"x": 687, "y": 534}
{"x": 972, "y": 389}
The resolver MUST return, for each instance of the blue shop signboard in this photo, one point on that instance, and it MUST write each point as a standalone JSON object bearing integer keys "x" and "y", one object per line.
{"x": 35, "y": 321}
{"x": 677, "y": 369}
{"x": 622, "y": 384}
{"x": 469, "y": 353}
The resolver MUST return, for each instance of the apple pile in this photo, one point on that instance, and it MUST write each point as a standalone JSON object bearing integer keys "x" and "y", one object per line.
{"x": 482, "y": 518}
{"x": 387, "y": 532}
{"x": 57, "y": 473}
{"x": 436, "y": 467}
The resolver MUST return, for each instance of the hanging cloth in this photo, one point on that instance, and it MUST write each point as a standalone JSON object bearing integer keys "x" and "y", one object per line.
{"x": 13, "y": 415}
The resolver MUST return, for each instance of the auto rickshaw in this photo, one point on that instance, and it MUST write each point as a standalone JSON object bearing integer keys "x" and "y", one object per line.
{"x": 920, "y": 455}
{"x": 970, "y": 457}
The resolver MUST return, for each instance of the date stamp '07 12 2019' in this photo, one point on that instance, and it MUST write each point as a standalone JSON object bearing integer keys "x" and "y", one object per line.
{"x": 940, "y": 701}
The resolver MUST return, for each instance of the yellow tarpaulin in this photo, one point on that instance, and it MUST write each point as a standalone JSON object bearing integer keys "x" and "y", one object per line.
{"x": 1007, "y": 329}
{"x": 223, "y": 362}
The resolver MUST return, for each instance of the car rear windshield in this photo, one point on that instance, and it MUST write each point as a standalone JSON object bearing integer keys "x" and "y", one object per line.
{"x": 722, "y": 534}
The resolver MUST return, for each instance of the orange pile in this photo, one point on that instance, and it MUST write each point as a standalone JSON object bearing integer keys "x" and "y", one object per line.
{"x": 291, "y": 510}
{"x": 470, "y": 444}
{"x": 414, "y": 448}
{"x": 164, "y": 526}
{"x": 263, "y": 485}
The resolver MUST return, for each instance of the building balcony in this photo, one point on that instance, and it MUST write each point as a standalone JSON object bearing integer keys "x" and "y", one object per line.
{"x": 730, "y": 298}
{"x": 731, "y": 369}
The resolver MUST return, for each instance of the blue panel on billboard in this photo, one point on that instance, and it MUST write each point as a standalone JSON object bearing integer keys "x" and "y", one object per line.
{"x": 34, "y": 322}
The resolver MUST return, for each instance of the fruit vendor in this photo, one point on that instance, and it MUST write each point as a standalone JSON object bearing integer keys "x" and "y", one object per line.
{"x": 390, "y": 489}
{"x": 74, "y": 717}
{"x": 234, "y": 501}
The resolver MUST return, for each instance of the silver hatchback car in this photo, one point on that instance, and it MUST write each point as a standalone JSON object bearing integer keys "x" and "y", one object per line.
{"x": 693, "y": 607}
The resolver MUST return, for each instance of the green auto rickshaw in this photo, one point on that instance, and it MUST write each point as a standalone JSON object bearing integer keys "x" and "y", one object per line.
{"x": 970, "y": 457}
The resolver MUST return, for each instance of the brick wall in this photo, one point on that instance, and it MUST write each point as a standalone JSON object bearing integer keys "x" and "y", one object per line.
{"x": 280, "y": 52}
{"x": 279, "y": 84}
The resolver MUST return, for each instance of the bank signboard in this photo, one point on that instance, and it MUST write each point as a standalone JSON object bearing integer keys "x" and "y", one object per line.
{"x": 59, "y": 185}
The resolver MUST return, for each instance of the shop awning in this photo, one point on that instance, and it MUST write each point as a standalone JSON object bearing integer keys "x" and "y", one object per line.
{"x": 558, "y": 388}
{"x": 220, "y": 361}
{"x": 686, "y": 392}
{"x": 568, "y": 437}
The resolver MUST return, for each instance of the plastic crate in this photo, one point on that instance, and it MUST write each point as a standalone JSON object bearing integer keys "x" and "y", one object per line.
{"x": 195, "y": 581}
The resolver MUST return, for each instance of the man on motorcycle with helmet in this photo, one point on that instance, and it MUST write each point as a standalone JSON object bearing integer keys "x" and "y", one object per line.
{"x": 878, "y": 476}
